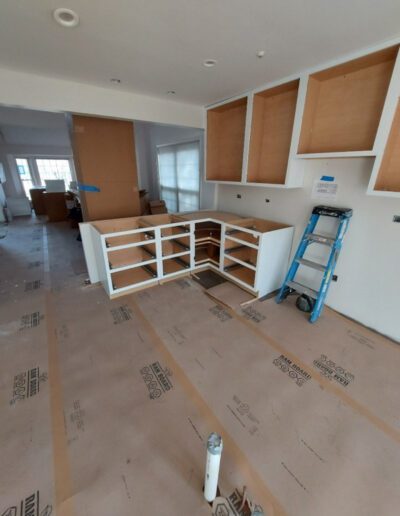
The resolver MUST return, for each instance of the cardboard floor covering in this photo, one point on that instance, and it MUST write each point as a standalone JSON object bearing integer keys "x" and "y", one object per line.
{"x": 105, "y": 406}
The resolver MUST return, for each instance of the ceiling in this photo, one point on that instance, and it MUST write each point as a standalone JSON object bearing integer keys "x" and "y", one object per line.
{"x": 155, "y": 46}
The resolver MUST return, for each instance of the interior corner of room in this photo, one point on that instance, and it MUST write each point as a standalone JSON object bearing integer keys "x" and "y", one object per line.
{"x": 199, "y": 254}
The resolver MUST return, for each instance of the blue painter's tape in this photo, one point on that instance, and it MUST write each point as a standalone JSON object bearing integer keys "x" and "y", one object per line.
{"x": 327, "y": 178}
{"x": 88, "y": 188}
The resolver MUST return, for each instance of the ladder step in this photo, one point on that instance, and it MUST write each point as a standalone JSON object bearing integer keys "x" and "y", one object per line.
{"x": 320, "y": 239}
{"x": 298, "y": 287}
{"x": 331, "y": 211}
{"x": 309, "y": 263}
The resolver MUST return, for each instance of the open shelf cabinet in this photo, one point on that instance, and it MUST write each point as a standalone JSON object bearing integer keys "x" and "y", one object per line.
{"x": 271, "y": 133}
{"x": 344, "y": 104}
{"x": 225, "y": 141}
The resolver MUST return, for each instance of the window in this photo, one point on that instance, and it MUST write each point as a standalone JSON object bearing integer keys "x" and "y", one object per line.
{"x": 33, "y": 172}
{"x": 25, "y": 175}
{"x": 54, "y": 169}
{"x": 179, "y": 176}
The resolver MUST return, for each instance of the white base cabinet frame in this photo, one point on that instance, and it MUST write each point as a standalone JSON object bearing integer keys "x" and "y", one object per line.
{"x": 270, "y": 250}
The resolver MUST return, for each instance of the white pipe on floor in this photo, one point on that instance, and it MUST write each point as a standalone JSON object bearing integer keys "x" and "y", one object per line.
{"x": 214, "y": 451}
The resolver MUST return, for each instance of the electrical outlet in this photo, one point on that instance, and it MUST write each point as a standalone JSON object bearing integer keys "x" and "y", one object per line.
{"x": 396, "y": 218}
{"x": 238, "y": 196}
{"x": 334, "y": 277}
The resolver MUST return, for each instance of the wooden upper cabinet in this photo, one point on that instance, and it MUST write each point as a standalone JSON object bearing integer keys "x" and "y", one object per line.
{"x": 388, "y": 178}
{"x": 271, "y": 133}
{"x": 344, "y": 104}
{"x": 104, "y": 155}
{"x": 225, "y": 141}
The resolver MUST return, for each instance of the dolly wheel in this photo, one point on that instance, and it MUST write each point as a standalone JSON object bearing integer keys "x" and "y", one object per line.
{"x": 305, "y": 303}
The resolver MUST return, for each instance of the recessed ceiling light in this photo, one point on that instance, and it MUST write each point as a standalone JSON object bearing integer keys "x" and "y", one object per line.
{"x": 66, "y": 17}
{"x": 114, "y": 80}
{"x": 209, "y": 63}
{"x": 171, "y": 92}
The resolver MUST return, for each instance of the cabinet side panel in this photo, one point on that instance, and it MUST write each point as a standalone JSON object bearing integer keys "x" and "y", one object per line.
{"x": 389, "y": 172}
{"x": 273, "y": 260}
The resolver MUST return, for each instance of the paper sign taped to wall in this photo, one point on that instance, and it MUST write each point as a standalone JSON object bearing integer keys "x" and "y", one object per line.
{"x": 324, "y": 190}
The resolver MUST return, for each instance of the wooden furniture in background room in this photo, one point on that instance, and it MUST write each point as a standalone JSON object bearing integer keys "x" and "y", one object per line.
{"x": 105, "y": 161}
{"x": 38, "y": 200}
{"x": 55, "y": 205}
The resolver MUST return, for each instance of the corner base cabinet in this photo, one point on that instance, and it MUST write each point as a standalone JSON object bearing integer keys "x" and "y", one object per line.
{"x": 133, "y": 253}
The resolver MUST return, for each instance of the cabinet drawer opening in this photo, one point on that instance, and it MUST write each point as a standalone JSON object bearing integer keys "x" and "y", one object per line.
{"x": 133, "y": 277}
{"x": 241, "y": 252}
{"x": 239, "y": 272}
{"x": 131, "y": 255}
{"x": 175, "y": 246}
{"x": 207, "y": 253}
{"x": 175, "y": 265}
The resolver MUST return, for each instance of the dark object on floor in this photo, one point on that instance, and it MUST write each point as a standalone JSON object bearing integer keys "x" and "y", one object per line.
{"x": 75, "y": 216}
{"x": 208, "y": 279}
{"x": 304, "y": 303}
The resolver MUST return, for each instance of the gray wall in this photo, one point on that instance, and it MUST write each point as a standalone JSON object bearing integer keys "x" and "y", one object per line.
{"x": 29, "y": 133}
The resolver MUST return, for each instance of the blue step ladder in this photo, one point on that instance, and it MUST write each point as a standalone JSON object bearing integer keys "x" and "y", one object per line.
{"x": 311, "y": 300}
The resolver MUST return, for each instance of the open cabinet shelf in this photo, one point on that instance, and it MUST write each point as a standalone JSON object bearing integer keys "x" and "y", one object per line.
{"x": 225, "y": 141}
{"x": 271, "y": 133}
{"x": 388, "y": 179}
{"x": 344, "y": 104}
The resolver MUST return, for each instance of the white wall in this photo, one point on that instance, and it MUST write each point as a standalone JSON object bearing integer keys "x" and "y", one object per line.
{"x": 147, "y": 137}
{"x": 51, "y": 94}
{"x": 368, "y": 286}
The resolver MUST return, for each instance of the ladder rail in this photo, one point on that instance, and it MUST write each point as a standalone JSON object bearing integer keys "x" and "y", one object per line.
{"x": 330, "y": 269}
{"x": 299, "y": 254}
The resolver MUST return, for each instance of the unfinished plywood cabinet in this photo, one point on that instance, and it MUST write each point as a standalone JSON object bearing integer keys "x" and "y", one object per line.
{"x": 341, "y": 111}
{"x": 105, "y": 161}
{"x": 344, "y": 104}
{"x": 137, "y": 252}
{"x": 226, "y": 125}
{"x": 385, "y": 177}
{"x": 273, "y": 117}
